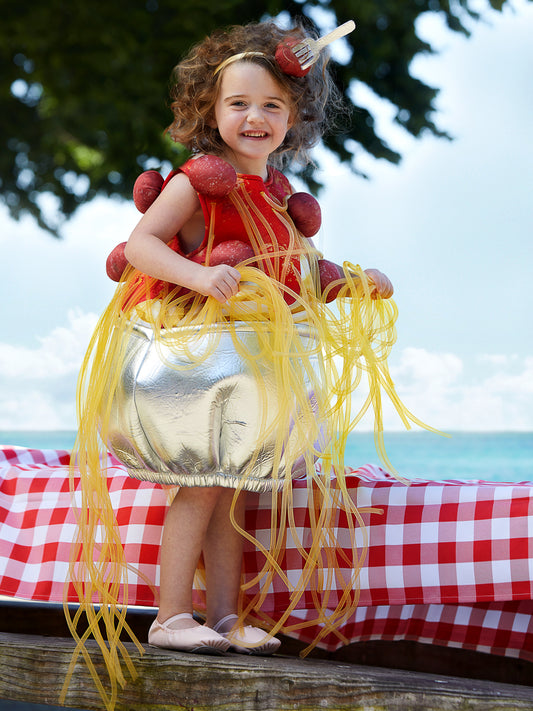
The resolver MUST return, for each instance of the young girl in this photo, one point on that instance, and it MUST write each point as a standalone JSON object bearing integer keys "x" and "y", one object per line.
{"x": 224, "y": 374}
{"x": 249, "y": 108}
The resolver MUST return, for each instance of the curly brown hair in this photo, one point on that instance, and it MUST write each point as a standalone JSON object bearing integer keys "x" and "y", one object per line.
{"x": 194, "y": 89}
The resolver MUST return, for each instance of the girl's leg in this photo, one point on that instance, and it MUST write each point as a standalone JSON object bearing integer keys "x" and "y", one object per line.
{"x": 184, "y": 532}
{"x": 199, "y": 519}
{"x": 223, "y": 550}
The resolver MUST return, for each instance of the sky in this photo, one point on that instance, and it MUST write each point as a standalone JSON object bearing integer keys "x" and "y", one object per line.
{"x": 451, "y": 226}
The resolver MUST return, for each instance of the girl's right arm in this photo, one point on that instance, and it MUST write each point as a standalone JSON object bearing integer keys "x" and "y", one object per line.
{"x": 148, "y": 251}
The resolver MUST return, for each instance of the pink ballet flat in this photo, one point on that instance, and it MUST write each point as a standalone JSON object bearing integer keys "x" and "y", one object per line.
{"x": 198, "y": 640}
{"x": 248, "y": 636}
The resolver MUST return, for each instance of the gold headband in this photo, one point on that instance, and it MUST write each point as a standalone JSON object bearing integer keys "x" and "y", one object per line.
{"x": 236, "y": 58}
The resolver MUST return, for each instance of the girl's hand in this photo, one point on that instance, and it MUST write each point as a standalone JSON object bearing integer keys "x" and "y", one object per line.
{"x": 380, "y": 285}
{"x": 220, "y": 282}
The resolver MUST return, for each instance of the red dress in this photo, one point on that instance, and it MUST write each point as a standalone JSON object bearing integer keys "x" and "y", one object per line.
{"x": 254, "y": 212}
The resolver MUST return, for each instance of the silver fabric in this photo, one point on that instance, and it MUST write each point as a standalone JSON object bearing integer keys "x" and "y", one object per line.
{"x": 197, "y": 421}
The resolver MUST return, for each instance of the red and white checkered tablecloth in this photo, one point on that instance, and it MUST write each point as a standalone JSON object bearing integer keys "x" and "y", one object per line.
{"x": 449, "y": 562}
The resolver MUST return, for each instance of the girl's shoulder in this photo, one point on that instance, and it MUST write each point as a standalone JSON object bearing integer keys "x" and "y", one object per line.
{"x": 183, "y": 168}
{"x": 186, "y": 167}
{"x": 209, "y": 175}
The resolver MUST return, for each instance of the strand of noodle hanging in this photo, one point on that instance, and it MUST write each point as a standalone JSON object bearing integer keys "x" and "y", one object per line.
{"x": 97, "y": 570}
{"x": 369, "y": 334}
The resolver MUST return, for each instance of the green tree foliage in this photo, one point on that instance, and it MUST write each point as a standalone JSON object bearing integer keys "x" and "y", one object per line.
{"x": 84, "y": 85}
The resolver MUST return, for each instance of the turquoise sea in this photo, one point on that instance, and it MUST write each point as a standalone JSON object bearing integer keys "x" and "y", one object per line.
{"x": 488, "y": 456}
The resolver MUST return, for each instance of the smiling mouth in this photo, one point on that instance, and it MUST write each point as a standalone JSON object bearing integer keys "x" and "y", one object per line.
{"x": 255, "y": 134}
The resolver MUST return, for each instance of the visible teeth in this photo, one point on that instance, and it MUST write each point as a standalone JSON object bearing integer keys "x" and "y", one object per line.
{"x": 255, "y": 134}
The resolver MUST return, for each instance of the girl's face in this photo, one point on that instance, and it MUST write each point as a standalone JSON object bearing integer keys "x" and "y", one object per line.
{"x": 252, "y": 114}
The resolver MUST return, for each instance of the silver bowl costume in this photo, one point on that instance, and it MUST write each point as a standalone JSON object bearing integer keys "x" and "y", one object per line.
{"x": 194, "y": 410}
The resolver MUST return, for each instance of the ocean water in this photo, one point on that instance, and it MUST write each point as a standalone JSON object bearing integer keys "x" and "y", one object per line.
{"x": 487, "y": 456}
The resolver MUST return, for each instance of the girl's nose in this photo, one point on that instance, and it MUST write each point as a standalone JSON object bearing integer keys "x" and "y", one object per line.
{"x": 254, "y": 114}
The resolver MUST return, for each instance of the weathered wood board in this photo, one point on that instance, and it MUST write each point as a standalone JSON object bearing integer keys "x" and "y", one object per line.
{"x": 48, "y": 619}
{"x": 33, "y": 670}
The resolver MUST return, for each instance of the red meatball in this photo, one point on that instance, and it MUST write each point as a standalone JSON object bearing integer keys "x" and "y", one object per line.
{"x": 232, "y": 252}
{"x": 212, "y": 176}
{"x": 287, "y": 60}
{"x": 116, "y": 262}
{"x": 329, "y": 272}
{"x": 305, "y": 212}
{"x": 147, "y": 187}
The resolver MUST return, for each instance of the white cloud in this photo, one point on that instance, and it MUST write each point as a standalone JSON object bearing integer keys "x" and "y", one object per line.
{"x": 517, "y": 385}
{"x": 38, "y": 385}
{"x": 422, "y": 370}
{"x": 495, "y": 394}
{"x": 32, "y": 409}
{"x": 58, "y": 354}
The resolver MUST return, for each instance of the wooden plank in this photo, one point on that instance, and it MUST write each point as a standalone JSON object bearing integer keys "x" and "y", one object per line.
{"x": 33, "y": 670}
{"x": 20, "y": 617}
